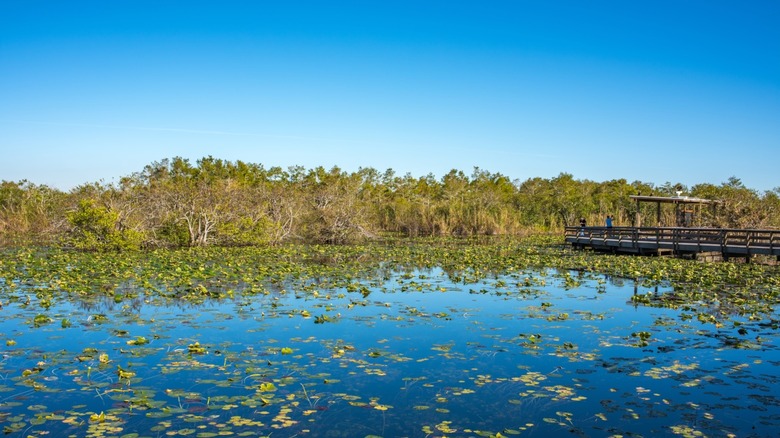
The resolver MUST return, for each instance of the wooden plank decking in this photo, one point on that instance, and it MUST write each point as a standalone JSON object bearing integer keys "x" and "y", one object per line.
{"x": 677, "y": 241}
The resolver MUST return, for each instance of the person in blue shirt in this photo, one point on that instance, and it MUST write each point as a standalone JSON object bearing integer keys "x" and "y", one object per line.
{"x": 609, "y": 221}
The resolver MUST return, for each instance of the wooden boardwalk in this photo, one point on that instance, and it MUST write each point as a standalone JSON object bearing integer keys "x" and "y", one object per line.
{"x": 699, "y": 243}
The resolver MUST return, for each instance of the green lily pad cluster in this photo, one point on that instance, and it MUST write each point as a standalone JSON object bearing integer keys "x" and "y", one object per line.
{"x": 442, "y": 338}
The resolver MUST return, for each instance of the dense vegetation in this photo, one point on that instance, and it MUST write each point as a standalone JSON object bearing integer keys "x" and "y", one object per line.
{"x": 192, "y": 275}
{"x": 173, "y": 203}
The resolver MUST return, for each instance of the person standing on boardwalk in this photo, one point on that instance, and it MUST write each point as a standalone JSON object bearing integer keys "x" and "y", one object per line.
{"x": 609, "y": 221}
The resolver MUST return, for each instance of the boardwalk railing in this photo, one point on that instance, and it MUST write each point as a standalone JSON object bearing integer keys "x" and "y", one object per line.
{"x": 734, "y": 242}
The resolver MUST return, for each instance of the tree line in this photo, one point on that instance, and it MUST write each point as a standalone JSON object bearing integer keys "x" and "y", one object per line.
{"x": 175, "y": 203}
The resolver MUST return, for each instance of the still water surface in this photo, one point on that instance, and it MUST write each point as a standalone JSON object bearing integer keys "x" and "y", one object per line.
{"x": 418, "y": 355}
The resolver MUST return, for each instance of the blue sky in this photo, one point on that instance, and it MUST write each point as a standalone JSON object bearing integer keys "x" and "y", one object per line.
{"x": 677, "y": 91}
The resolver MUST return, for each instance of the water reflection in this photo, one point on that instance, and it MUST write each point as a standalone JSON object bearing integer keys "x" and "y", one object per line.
{"x": 407, "y": 353}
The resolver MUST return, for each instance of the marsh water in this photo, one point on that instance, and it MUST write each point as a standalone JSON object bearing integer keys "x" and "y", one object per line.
{"x": 534, "y": 353}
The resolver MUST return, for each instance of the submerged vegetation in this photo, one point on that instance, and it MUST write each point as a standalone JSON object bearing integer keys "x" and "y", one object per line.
{"x": 448, "y": 309}
{"x": 174, "y": 203}
{"x": 219, "y": 272}
{"x": 485, "y": 337}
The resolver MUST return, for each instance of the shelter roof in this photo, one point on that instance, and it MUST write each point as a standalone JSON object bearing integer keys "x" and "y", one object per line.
{"x": 674, "y": 199}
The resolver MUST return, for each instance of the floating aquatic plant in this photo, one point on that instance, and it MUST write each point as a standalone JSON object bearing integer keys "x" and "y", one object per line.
{"x": 371, "y": 340}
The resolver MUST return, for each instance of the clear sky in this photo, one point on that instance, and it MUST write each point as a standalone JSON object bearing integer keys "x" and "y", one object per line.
{"x": 656, "y": 91}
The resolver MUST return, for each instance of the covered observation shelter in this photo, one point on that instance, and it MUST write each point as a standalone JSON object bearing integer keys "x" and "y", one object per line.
{"x": 687, "y": 237}
{"x": 686, "y": 209}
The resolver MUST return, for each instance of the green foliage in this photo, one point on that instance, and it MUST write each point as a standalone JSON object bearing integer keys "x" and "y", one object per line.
{"x": 740, "y": 206}
{"x": 176, "y": 203}
{"x": 29, "y": 212}
{"x": 95, "y": 228}
{"x": 173, "y": 233}
{"x": 245, "y": 231}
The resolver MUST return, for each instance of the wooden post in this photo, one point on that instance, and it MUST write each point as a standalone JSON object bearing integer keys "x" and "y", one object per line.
{"x": 677, "y": 221}
{"x": 637, "y": 216}
{"x": 658, "y": 214}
